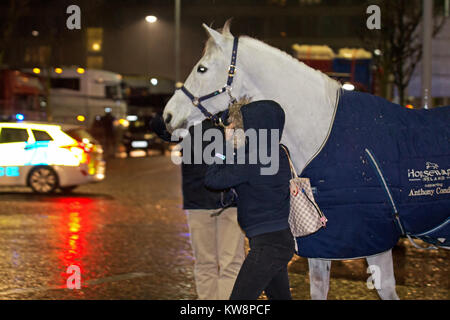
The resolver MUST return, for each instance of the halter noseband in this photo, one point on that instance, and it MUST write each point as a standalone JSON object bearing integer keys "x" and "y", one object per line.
{"x": 197, "y": 101}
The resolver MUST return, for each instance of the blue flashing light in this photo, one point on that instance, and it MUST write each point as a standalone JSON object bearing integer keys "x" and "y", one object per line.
{"x": 20, "y": 117}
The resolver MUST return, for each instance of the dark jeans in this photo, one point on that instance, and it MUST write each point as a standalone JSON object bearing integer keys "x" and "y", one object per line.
{"x": 265, "y": 267}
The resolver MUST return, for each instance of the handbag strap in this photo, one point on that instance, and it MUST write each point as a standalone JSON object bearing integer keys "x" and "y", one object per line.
{"x": 291, "y": 165}
{"x": 322, "y": 217}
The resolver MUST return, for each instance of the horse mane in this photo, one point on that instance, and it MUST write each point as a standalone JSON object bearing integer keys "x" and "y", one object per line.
{"x": 283, "y": 55}
{"x": 305, "y": 69}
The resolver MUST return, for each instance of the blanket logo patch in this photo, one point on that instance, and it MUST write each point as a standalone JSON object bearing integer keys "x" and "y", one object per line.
{"x": 430, "y": 181}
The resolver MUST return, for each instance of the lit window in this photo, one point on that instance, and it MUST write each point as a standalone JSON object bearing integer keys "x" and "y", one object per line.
{"x": 96, "y": 47}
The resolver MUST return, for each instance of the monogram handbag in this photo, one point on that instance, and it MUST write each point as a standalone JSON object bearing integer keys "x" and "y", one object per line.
{"x": 305, "y": 217}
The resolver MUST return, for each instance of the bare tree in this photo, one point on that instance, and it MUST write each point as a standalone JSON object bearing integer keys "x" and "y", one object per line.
{"x": 399, "y": 40}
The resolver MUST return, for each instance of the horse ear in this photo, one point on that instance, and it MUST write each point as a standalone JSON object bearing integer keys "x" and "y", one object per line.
{"x": 215, "y": 35}
{"x": 226, "y": 28}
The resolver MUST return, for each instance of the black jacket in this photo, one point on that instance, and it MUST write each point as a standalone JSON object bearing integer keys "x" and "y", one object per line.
{"x": 263, "y": 200}
{"x": 195, "y": 194}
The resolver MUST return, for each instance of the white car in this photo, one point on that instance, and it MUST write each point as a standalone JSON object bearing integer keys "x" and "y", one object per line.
{"x": 46, "y": 157}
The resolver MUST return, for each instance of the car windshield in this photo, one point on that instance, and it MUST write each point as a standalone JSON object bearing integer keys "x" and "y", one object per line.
{"x": 80, "y": 134}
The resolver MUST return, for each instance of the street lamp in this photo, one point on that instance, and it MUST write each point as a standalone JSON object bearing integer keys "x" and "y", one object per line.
{"x": 151, "y": 19}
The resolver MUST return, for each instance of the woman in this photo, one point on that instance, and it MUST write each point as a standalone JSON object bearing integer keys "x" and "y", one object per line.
{"x": 263, "y": 201}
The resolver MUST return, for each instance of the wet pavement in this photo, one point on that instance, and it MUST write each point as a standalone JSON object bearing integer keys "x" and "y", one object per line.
{"x": 128, "y": 234}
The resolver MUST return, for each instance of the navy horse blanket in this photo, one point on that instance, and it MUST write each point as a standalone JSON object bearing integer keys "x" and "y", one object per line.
{"x": 383, "y": 173}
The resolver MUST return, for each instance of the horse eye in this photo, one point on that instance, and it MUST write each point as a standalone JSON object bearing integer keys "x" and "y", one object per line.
{"x": 202, "y": 69}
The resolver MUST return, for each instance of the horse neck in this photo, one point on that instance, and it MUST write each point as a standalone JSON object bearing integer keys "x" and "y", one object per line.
{"x": 307, "y": 96}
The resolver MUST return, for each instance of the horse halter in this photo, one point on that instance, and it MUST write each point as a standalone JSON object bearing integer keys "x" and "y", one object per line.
{"x": 197, "y": 101}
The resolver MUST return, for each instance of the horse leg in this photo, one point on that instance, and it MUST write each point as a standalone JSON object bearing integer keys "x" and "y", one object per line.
{"x": 319, "y": 278}
{"x": 386, "y": 288}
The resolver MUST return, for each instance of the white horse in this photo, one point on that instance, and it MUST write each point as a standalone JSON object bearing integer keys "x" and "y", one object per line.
{"x": 307, "y": 96}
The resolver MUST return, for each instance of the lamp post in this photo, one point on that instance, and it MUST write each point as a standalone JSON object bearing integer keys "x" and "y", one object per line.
{"x": 427, "y": 101}
{"x": 177, "y": 40}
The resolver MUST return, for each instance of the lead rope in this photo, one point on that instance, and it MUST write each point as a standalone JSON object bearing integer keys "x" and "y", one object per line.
{"x": 218, "y": 213}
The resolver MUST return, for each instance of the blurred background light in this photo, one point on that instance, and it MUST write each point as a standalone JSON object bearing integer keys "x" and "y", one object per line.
{"x": 124, "y": 123}
{"x": 348, "y": 86}
{"x": 132, "y": 117}
{"x": 96, "y": 47}
{"x": 151, "y": 19}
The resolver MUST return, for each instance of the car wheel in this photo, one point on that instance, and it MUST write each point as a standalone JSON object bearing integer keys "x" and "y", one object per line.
{"x": 43, "y": 180}
{"x": 66, "y": 190}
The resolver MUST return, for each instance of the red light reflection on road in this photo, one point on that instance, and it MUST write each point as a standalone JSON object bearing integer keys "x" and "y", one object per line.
{"x": 73, "y": 228}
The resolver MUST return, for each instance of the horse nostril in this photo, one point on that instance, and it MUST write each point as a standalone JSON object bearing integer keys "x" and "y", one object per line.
{"x": 168, "y": 118}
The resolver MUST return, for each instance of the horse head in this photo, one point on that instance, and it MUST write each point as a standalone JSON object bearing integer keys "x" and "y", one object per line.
{"x": 307, "y": 96}
{"x": 208, "y": 75}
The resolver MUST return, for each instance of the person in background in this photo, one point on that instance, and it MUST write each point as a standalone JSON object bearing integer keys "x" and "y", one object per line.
{"x": 96, "y": 129}
{"x": 262, "y": 201}
{"x": 109, "y": 134}
{"x": 217, "y": 241}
